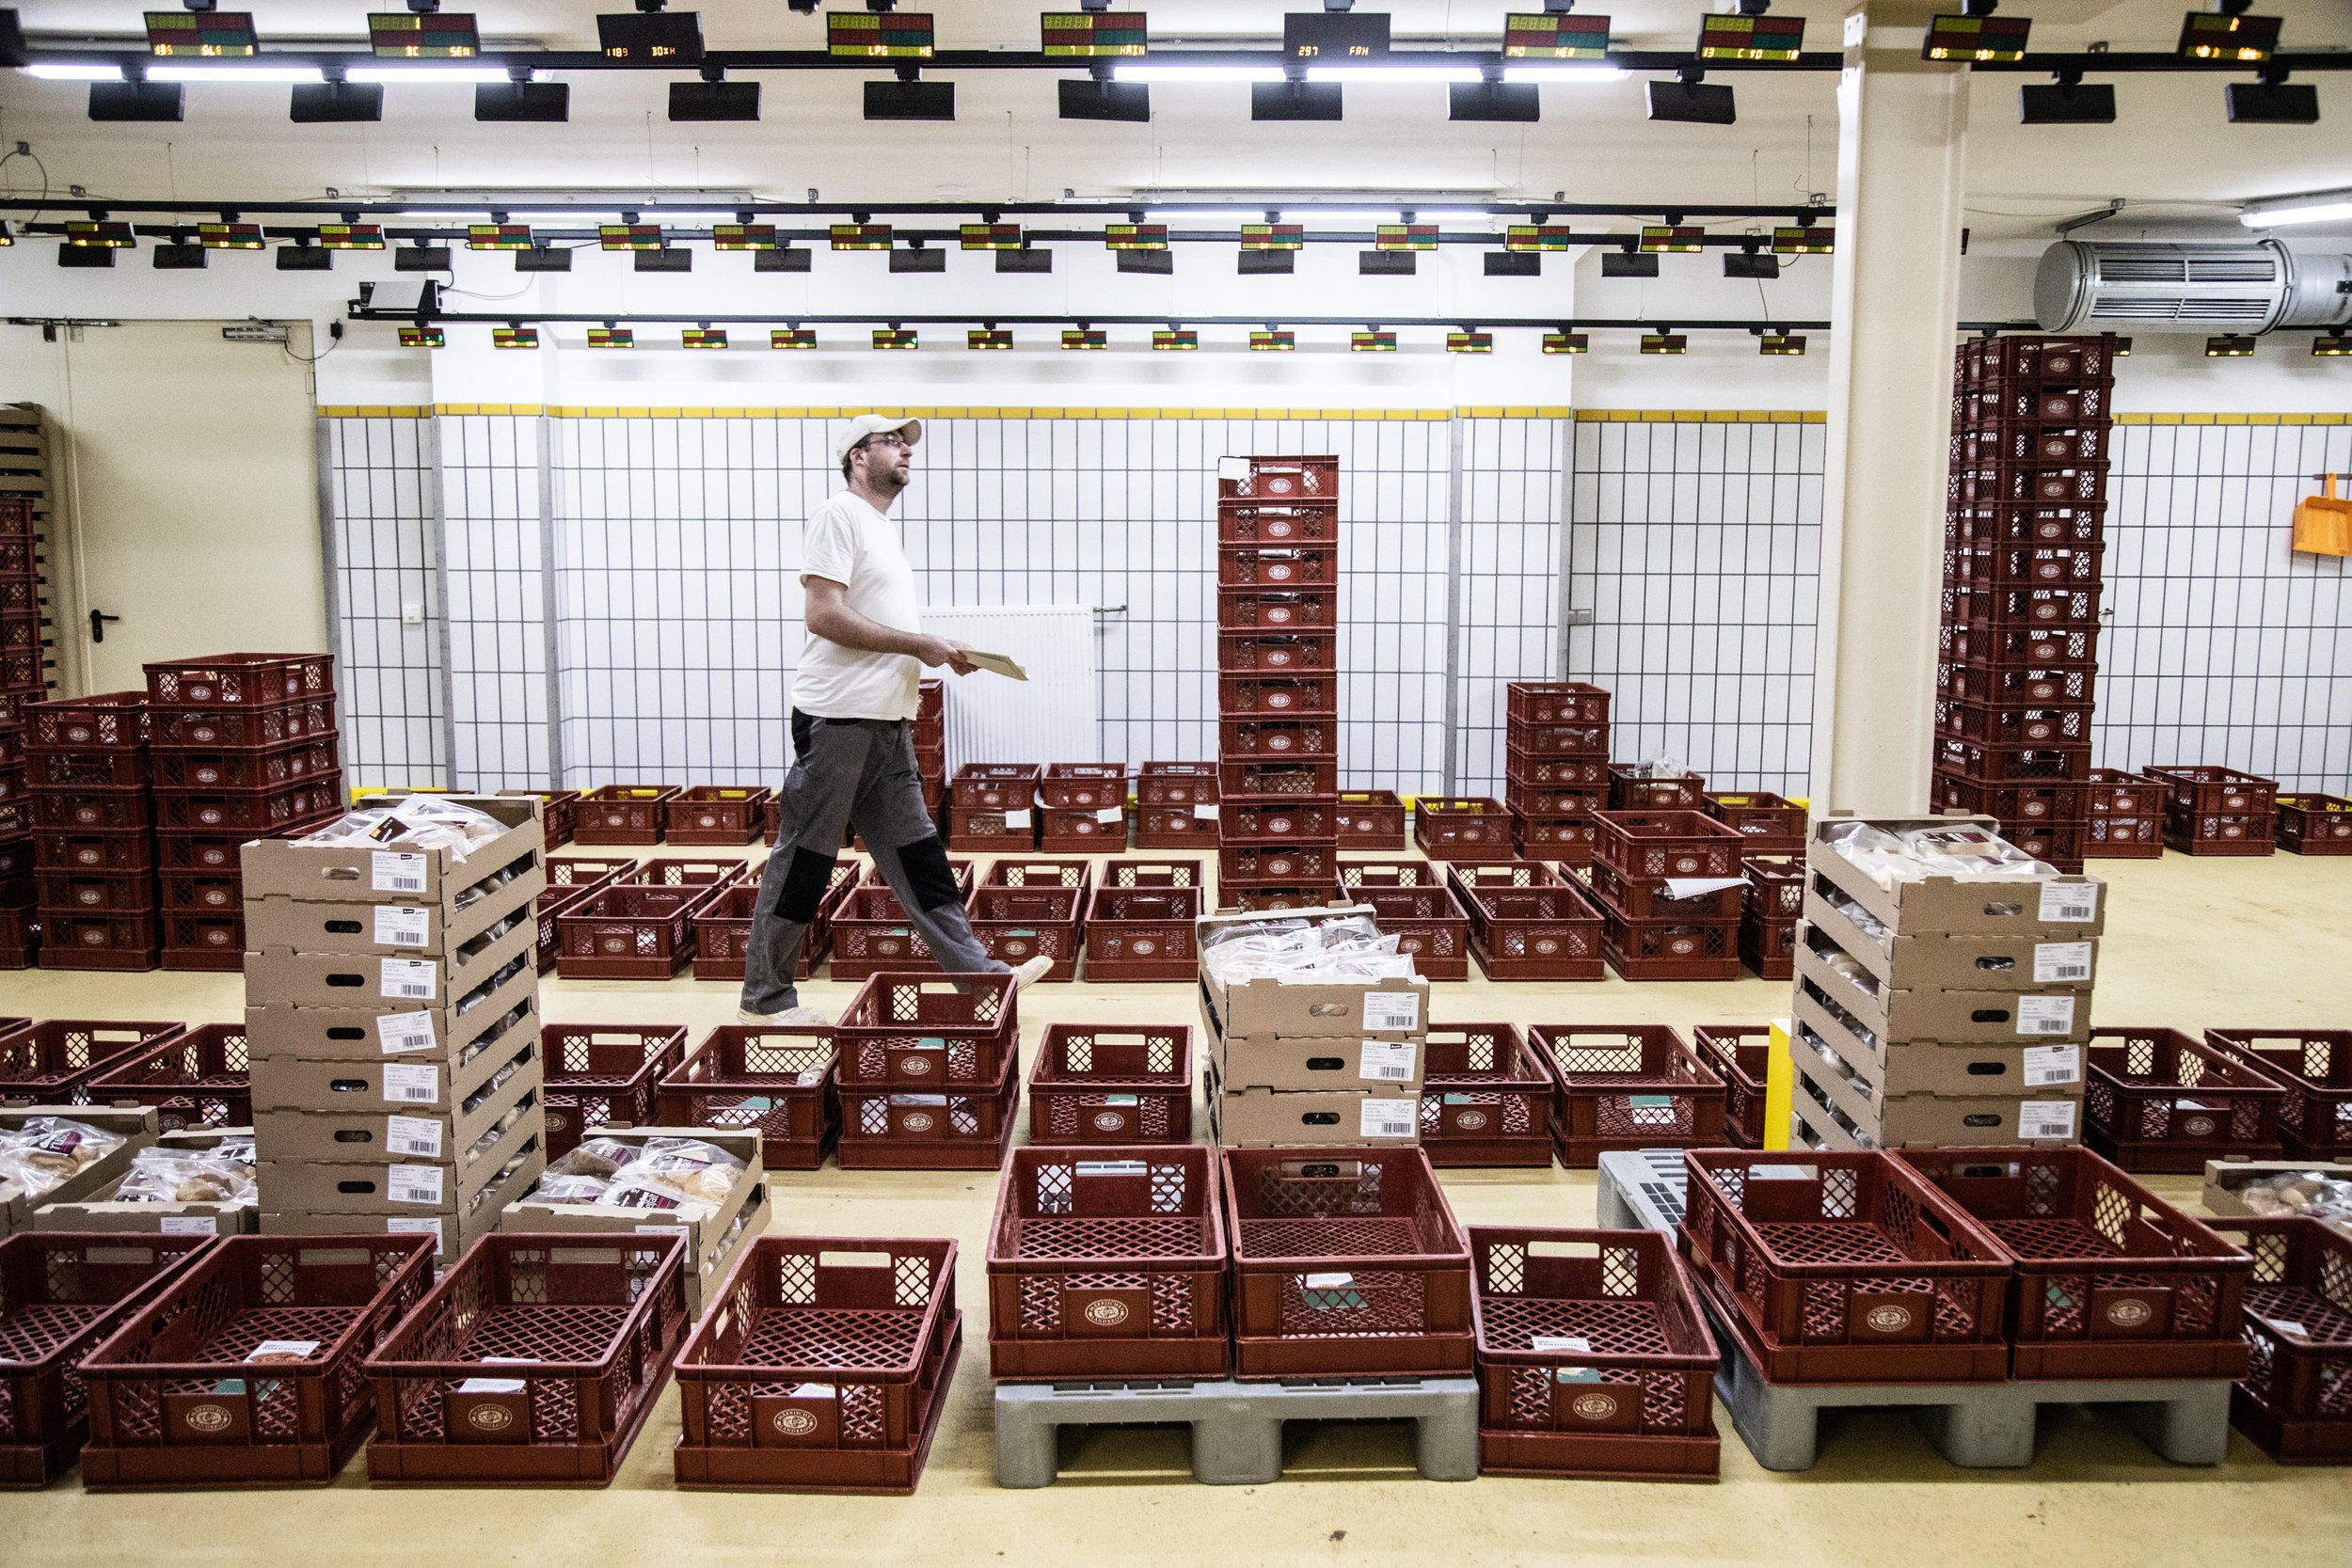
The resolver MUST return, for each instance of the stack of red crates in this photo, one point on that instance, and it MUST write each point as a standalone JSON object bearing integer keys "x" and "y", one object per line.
{"x": 2024, "y": 531}
{"x": 244, "y": 746}
{"x": 1277, "y": 572}
{"x": 1650, "y": 933}
{"x": 24, "y": 680}
{"x": 931, "y": 749}
{"x": 1558, "y": 771}
{"x": 93, "y": 830}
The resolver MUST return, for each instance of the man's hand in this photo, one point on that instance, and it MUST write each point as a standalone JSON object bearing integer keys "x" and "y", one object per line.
{"x": 935, "y": 651}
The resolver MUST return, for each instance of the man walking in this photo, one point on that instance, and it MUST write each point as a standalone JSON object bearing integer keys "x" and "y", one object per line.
{"x": 853, "y": 760}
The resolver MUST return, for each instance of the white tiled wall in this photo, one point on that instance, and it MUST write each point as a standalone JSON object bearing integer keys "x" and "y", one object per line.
{"x": 388, "y": 673}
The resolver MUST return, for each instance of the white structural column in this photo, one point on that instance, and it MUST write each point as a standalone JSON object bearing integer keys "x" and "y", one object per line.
{"x": 1902, "y": 145}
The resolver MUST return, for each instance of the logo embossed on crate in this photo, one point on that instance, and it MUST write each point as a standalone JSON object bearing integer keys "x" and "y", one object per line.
{"x": 916, "y": 1121}
{"x": 558, "y": 1118}
{"x": 1594, "y": 1407}
{"x": 1682, "y": 947}
{"x": 615, "y": 943}
{"x": 208, "y": 1417}
{"x": 1687, "y": 864}
{"x": 2196, "y": 1127}
{"x": 1107, "y": 1312}
{"x": 793, "y": 1423}
{"x": 913, "y": 1067}
{"x": 1469, "y": 1121}
{"x": 1109, "y": 1121}
{"x": 1143, "y": 947}
{"x": 2130, "y": 1312}
{"x": 1887, "y": 1319}
{"x": 1547, "y": 945}
{"x": 489, "y": 1418}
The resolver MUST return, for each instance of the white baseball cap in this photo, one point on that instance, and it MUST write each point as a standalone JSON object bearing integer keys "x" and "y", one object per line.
{"x": 864, "y": 426}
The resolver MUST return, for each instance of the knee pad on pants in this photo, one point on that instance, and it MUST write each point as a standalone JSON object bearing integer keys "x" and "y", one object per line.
{"x": 804, "y": 886}
{"x": 927, "y": 873}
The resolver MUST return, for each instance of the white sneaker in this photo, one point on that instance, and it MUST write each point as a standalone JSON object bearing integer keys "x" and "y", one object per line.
{"x": 791, "y": 1018}
{"x": 1031, "y": 972}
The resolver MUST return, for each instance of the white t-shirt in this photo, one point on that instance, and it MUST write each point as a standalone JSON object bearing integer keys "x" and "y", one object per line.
{"x": 848, "y": 542}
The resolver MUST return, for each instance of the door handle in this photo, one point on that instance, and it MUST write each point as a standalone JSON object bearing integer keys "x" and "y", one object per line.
{"x": 98, "y": 619}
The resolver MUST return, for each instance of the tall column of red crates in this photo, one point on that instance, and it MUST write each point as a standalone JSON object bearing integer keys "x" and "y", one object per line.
{"x": 24, "y": 680}
{"x": 1556, "y": 769}
{"x": 1277, "y": 575}
{"x": 2025, "y": 521}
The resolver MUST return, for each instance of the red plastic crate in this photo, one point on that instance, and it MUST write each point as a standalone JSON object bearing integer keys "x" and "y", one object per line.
{"x": 1569, "y": 839}
{"x": 550, "y": 902}
{"x": 2214, "y": 791}
{"x": 212, "y": 729}
{"x": 2017, "y": 687}
{"x": 2026, "y": 804}
{"x": 1346, "y": 1262}
{"x": 1141, "y": 933}
{"x": 2059, "y": 484}
{"x": 952, "y": 1127}
{"x": 2002, "y": 439}
{"x": 1141, "y": 872}
{"x": 2315, "y": 1066}
{"x": 627, "y": 931}
{"x": 124, "y": 809}
{"x": 2207, "y": 833}
{"x": 1529, "y": 738}
{"x": 1017, "y": 924}
{"x": 1369, "y": 819}
{"x": 1428, "y": 924}
{"x": 2025, "y": 566}
{"x": 584, "y": 872}
{"x": 61, "y": 1293}
{"x": 622, "y": 813}
{"x": 602, "y": 1075}
{"x": 577, "y": 1333}
{"x": 275, "y": 811}
{"x": 105, "y": 942}
{"x": 1111, "y": 1084}
{"x": 722, "y": 933}
{"x": 196, "y": 1079}
{"x": 822, "y": 1367}
{"x": 1277, "y": 819}
{"x": 1485, "y": 1098}
{"x": 1644, "y": 898}
{"x": 98, "y": 892}
{"x": 1278, "y": 653}
{"x": 1631, "y": 788}
{"x": 2123, "y": 838}
{"x": 995, "y": 787}
{"x": 1998, "y": 724}
{"x": 2314, "y": 825}
{"x": 68, "y": 768}
{"x": 1173, "y": 827}
{"x": 1176, "y": 783}
{"x": 1646, "y": 844}
{"x": 1277, "y": 566}
{"x": 1400, "y": 872}
{"x": 678, "y": 871}
{"x": 1289, "y": 864}
{"x": 1274, "y": 897}
{"x": 240, "y": 680}
{"x": 1642, "y": 950}
{"x": 1467, "y": 879}
{"x": 1088, "y": 786}
{"x": 1740, "y": 1055}
{"x": 206, "y": 943}
{"x": 974, "y": 830}
{"x": 2296, "y": 1398}
{"x": 1556, "y": 801}
{"x": 1769, "y": 824}
{"x": 200, "y": 893}
{"x": 1583, "y": 774}
{"x": 2112, "y": 1281}
{"x": 1631, "y": 1087}
{"x": 715, "y": 814}
{"x": 1099, "y": 831}
{"x": 1282, "y": 479}
{"x": 1845, "y": 1268}
{"x": 2018, "y": 646}
{"x": 2046, "y": 612}
{"x": 925, "y": 1031}
{"x": 174, "y": 1402}
{"x": 871, "y": 934}
{"x": 1535, "y": 933}
{"x": 1108, "y": 1262}
{"x": 2021, "y": 523}
{"x": 249, "y": 769}
{"x": 777, "y": 1081}
{"x": 1280, "y": 774}
{"x": 95, "y": 849}
{"x": 1278, "y": 609}
{"x": 1274, "y": 522}
{"x": 1593, "y": 1357}
{"x": 1769, "y": 948}
{"x": 2158, "y": 1100}
{"x": 1556, "y": 702}
{"x": 1981, "y": 764}
{"x": 556, "y": 820}
{"x": 1309, "y": 737}
{"x": 1462, "y": 829}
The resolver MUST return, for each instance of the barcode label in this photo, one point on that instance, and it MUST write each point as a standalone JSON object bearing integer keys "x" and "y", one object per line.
{"x": 419, "y": 1085}
{"x": 413, "y": 1184}
{"x": 2057, "y": 962}
{"x": 402, "y": 926}
{"x": 1111, "y": 813}
{"x": 417, "y": 1135}
{"x": 2047, "y": 1065}
{"x": 1204, "y": 811}
{"x": 415, "y": 1225}
{"x": 1111, "y": 1167}
{"x": 2045, "y": 1015}
{"x": 397, "y": 872}
{"x": 2069, "y": 902}
{"x": 410, "y": 980}
{"x": 1388, "y": 1118}
{"x": 2045, "y": 1119}
{"x": 400, "y": 1033}
{"x": 1390, "y": 1011}
{"x": 1390, "y": 1061}
{"x": 190, "y": 1225}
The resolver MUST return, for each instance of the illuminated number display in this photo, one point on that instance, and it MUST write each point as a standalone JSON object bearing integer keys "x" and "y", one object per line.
{"x": 514, "y": 337}
{"x": 498, "y": 236}
{"x": 406, "y": 35}
{"x": 1135, "y": 236}
{"x": 1374, "y": 342}
{"x": 1530, "y": 236}
{"x": 105, "y": 237}
{"x": 1177, "y": 338}
{"x": 1565, "y": 343}
{"x": 1405, "y": 236}
{"x": 1082, "y": 35}
{"x": 990, "y": 236}
{"x": 1470, "y": 343}
{"x": 1084, "y": 338}
{"x": 991, "y": 338}
{"x": 860, "y": 236}
{"x": 420, "y": 337}
{"x": 1335, "y": 37}
{"x": 744, "y": 236}
{"x": 1786, "y": 343}
{"x": 1976, "y": 38}
{"x": 1273, "y": 236}
{"x": 202, "y": 35}
{"x": 229, "y": 236}
{"x": 1657, "y": 237}
{"x": 792, "y": 337}
{"x": 351, "y": 236}
{"x": 702, "y": 337}
{"x": 1665, "y": 342}
{"x": 1804, "y": 242}
{"x": 2207, "y": 36}
{"x": 894, "y": 337}
{"x": 612, "y": 336}
{"x": 629, "y": 236}
{"x": 1526, "y": 37}
{"x": 878, "y": 35}
{"x": 1273, "y": 340}
{"x": 1751, "y": 38}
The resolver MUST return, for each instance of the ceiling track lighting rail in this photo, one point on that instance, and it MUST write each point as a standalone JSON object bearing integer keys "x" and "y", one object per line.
{"x": 544, "y": 209}
{"x": 363, "y": 311}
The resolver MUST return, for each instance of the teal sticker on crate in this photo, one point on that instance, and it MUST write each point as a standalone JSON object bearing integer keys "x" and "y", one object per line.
{"x": 1461, "y": 1100}
{"x": 1118, "y": 1100}
{"x": 1330, "y": 1292}
{"x": 755, "y": 1102}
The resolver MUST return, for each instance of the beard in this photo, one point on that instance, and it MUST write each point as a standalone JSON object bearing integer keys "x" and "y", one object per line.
{"x": 890, "y": 478}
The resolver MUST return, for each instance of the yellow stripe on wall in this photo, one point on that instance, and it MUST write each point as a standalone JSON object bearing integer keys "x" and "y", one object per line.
{"x": 2235, "y": 418}
{"x": 348, "y": 411}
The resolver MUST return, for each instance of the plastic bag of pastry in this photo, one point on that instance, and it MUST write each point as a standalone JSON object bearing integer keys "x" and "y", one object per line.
{"x": 686, "y": 1166}
{"x": 627, "y": 1193}
{"x": 183, "y": 1176}
{"x": 46, "y": 1152}
{"x": 413, "y": 822}
{"x": 597, "y": 1157}
{"x": 570, "y": 1188}
{"x": 237, "y": 1148}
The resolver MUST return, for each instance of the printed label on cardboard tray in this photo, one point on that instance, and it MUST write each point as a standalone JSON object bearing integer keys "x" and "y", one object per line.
{"x": 1390, "y": 1061}
{"x": 1017, "y": 817}
{"x": 413, "y": 1184}
{"x": 669, "y": 1229}
{"x": 2069, "y": 903}
{"x": 397, "y": 872}
{"x": 1393, "y": 1010}
{"x": 2055, "y": 963}
{"x": 1204, "y": 811}
{"x": 415, "y": 1225}
{"x": 1111, "y": 813}
{"x": 408, "y": 980}
{"x": 417, "y": 1135}
{"x": 402, "y": 924}
{"x": 1388, "y": 1118}
{"x": 190, "y": 1225}
{"x": 1111, "y": 1167}
{"x": 2045, "y": 1015}
{"x": 415, "y": 1084}
{"x": 401, "y": 1033}
{"x": 2045, "y": 1119}
{"x": 2053, "y": 1063}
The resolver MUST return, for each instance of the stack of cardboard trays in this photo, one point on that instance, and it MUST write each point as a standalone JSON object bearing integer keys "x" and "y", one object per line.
{"x": 392, "y": 1022}
{"x": 1944, "y": 1012}
{"x": 1321, "y": 1066}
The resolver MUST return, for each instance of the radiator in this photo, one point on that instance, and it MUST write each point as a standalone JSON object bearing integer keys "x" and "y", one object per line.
{"x": 1055, "y": 716}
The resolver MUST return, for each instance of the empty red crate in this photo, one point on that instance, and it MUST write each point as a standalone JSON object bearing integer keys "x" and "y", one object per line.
{"x": 176, "y": 1396}
{"x": 2211, "y": 833}
{"x": 1535, "y": 933}
{"x": 253, "y": 768}
{"x": 2124, "y": 837}
{"x": 1983, "y": 764}
{"x": 2030, "y": 441}
{"x": 1999, "y": 724}
{"x": 53, "y": 1062}
{"x": 994, "y": 785}
{"x": 77, "y": 768}
{"x": 1284, "y": 611}
{"x": 777, "y": 1081}
{"x": 1652, "y": 898}
{"x": 535, "y": 1360}
{"x": 2314, "y": 825}
{"x": 2296, "y": 1398}
{"x": 240, "y": 680}
{"x": 1176, "y": 783}
{"x": 822, "y": 1367}
{"x": 1556, "y": 702}
{"x": 582, "y": 872}
{"x": 1673, "y": 949}
{"x": 111, "y": 721}
{"x": 98, "y": 892}
{"x": 1282, "y": 479}
{"x": 2112, "y": 1281}
{"x": 2016, "y": 687}
{"x": 559, "y": 816}
{"x": 1740, "y": 1055}
{"x": 1633, "y": 787}
{"x": 256, "y": 812}
{"x": 601, "y": 1075}
{"x": 1141, "y": 933}
{"x": 1530, "y": 738}
{"x": 209, "y": 943}
{"x": 2044, "y": 612}
{"x": 922, "y": 1031}
{"x": 1141, "y": 872}
{"x": 1112, "y": 1085}
{"x": 1568, "y": 839}
{"x": 1274, "y": 897}
{"x": 129, "y": 808}
{"x": 2315, "y": 1066}
{"x": 61, "y": 1293}
{"x": 1346, "y": 1262}
{"x": 2019, "y": 645}
{"x": 1094, "y": 831}
{"x": 1647, "y": 844}
{"x": 871, "y": 934}
{"x": 627, "y": 931}
{"x": 2025, "y": 566}
{"x": 1017, "y": 924}
{"x": 715, "y": 814}
{"x": 723, "y": 930}
{"x": 1593, "y": 1357}
{"x": 212, "y": 728}
{"x": 196, "y": 1079}
{"x": 1845, "y": 1268}
{"x": 1467, "y": 879}
{"x": 1464, "y": 829}
{"x": 106, "y": 942}
{"x": 1583, "y": 774}
{"x": 987, "y": 830}
{"x": 1299, "y": 522}
{"x": 1279, "y": 773}
{"x": 1401, "y": 873}
{"x": 2021, "y": 522}
{"x": 1769, "y": 824}
{"x": 1277, "y": 653}
{"x": 1282, "y": 566}
{"x": 678, "y": 871}
{"x": 1369, "y": 819}
{"x": 1430, "y": 926}
{"x": 953, "y": 1127}
{"x": 1485, "y": 1098}
{"x": 2158, "y": 1100}
{"x": 622, "y": 813}
{"x": 211, "y": 892}
{"x": 1634, "y": 1087}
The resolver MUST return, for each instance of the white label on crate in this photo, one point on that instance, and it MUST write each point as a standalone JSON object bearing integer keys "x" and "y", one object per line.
{"x": 814, "y": 1391}
{"x": 2045, "y": 1119}
{"x": 396, "y": 873}
{"x": 401, "y": 1033}
{"x": 1111, "y": 1167}
{"x": 418, "y": 1136}
{"x": 1391, "y": 1009}
{"x": 283, "y": 1350}
{"x": 413, "y": 1183}
{"x": 190, "y": 1225}
{"x": 1561, "y": 1342}
{"x": 1204, "y": 811}
{"x": 2288, "y": 1326}
{"x": 418, "y": 1084}
{"x": 1388, "y": 1118}
{"x": 1699, "y": 887}
{"x": 402, "y": 926}
{"x": 1017, "y": 817}
{"x": 1651, "y": 1110}
{"x": 2055, "y": 963}
{"x": 1235, "y": 468}
{"x": 1328, "y": 1281}
{"x": 415, "y": 1225}
{"x": 410, "y": 980}
{"x": 2046, "y": 1065}
{"x": 2069, "y": 902}
{"x": 2045, "y": 1015}
{"x": 1111, "y": 813}
{"x": 1390, "y": 1061}
{"x": 497, "y": 1384}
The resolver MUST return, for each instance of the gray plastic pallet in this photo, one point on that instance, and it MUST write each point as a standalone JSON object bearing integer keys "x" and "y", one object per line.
{"x": 1640, "y": 1189}
{"x": 1236, "y": 1426}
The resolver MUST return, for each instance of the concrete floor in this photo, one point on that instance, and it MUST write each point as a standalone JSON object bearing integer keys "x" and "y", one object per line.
{"x": 2190, "y": 944}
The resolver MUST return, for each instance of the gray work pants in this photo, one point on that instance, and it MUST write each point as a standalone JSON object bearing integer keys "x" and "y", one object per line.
{"x": 862, "y": 771}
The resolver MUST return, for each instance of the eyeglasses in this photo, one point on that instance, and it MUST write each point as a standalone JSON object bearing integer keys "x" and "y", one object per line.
{"x": 888, "y": 438}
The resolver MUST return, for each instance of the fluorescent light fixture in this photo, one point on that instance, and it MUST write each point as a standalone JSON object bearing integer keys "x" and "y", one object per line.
{"x": 1195, "y": 73}
{"x": 696, "y": 220}
{"x": 1363, "y": 217}
{"x": 1378, "y": 73}
{"x": 2333, "y": 208}
{"x": 425, "y": 73}
{"x": 1190, "y": 217}
{"x": 74, "y": 73}
{"x": 1556, "y": 76}
{"x": 247, "y": 73}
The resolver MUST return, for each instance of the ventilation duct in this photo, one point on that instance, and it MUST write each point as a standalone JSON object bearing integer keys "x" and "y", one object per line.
{"x": 2091, "y": 287}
